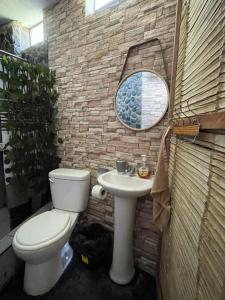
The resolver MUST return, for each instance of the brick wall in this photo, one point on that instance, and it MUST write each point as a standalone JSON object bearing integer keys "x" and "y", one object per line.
{"x": 37, "y": 53}
{"x": 87, "y": 54}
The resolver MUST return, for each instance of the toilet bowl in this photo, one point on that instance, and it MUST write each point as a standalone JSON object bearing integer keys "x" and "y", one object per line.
{"x": 42, "y": 241}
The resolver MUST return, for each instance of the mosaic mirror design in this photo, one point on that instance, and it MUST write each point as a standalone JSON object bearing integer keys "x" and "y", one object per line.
{"x": 141, "y": 100}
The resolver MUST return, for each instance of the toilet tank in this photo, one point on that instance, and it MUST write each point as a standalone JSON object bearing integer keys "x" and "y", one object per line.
{"x": 70, "y": 189}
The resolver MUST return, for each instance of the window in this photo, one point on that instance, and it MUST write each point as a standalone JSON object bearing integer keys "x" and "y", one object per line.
{"x": 36, "y": 34}
{"x": 93, "y": 5}
{"x": 101, "y": 3}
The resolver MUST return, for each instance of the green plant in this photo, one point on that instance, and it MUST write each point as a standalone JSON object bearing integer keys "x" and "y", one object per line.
{"x": 27, "y": 99}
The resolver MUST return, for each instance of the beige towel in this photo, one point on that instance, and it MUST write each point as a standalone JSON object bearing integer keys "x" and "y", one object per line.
{"x": 160, "y": 189}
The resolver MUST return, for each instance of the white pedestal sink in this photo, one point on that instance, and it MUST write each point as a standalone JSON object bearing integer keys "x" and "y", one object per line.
{"x": 125, "y": 189}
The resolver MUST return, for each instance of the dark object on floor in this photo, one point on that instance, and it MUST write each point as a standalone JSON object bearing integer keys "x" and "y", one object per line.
{"x": 93, "y": 243}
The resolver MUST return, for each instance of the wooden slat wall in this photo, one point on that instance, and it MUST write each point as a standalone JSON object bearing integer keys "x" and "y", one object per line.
{"x": 193, "y": 246}
{"x": 200, "y": 70}
{"x": 189, "y": 193}
{"x": 212, "y": 245}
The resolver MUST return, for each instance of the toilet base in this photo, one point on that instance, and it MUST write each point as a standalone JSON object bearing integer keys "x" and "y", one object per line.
{"x": 40, "y": 278}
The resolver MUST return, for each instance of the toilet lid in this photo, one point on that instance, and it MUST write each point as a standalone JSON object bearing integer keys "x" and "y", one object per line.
{"x": 43, "y": 228}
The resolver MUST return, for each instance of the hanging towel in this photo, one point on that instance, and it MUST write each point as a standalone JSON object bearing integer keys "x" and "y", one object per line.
{"x": 160, "y": 189}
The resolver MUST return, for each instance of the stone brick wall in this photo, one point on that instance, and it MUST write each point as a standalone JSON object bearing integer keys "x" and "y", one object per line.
{"x": 87, "y": 54}
{"x": 37, "y": 53}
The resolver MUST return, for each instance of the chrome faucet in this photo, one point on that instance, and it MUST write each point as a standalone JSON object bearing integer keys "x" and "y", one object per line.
{"x": 131, "y": 169}
{"x": 125, "y": 168}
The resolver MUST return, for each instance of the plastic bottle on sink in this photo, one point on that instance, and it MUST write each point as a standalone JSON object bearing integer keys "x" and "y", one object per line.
{"x": 144, "y": 171}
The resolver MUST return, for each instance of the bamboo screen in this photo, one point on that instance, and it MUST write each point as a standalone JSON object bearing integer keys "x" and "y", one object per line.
{"x": 200, "y": 79}
{"x": 193, "y": 245}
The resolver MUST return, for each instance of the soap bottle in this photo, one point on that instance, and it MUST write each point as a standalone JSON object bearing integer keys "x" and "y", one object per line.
{"x": 143, "y": 171}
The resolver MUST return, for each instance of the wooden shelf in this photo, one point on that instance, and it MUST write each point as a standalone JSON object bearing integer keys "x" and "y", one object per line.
{"x": 191, "y": 126}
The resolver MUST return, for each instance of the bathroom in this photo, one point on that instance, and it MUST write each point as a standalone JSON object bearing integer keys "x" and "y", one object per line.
{"x": 89, "y": 51}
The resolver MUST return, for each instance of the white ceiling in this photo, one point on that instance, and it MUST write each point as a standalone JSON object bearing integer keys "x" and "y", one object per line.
{"x": 29, "y": 12}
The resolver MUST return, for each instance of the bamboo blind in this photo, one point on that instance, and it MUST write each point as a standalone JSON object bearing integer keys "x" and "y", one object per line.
{"x": 212, "y": 246}
{"x": 193, "y": 246}
{"x": 200, "y": 76}
{"x": 189, "y": 175}
{"x": 193, "y": 249}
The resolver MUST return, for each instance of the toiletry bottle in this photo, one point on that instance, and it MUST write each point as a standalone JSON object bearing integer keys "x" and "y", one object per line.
{"x": 143, "y": 170}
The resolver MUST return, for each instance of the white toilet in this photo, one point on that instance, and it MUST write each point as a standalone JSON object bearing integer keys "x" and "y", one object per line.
{"x": 42, "y": 241}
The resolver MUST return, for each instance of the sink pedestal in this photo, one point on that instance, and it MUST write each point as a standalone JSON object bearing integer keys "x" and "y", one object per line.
{"x": 126, "y": 189}
{"x": 122, "y": 268}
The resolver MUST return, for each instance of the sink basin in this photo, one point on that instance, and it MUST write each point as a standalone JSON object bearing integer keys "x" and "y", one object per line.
{"x": 126, "y": 190}
{"x": 125, "y": 185}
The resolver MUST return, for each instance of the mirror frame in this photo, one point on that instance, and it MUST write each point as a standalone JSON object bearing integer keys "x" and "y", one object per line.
{"x": 167, "y": 104}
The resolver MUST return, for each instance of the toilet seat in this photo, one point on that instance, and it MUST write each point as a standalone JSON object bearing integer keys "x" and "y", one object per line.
{"x": 42, "y": 230}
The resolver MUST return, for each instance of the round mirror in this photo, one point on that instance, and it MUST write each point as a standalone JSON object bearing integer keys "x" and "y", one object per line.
{"x": 141, "y": 100}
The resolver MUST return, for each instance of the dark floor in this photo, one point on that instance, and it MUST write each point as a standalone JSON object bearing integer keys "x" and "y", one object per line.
{"x": 80, "y": 283}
